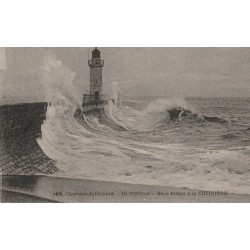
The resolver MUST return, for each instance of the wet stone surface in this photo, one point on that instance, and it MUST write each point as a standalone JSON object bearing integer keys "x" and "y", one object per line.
{"x": 20, "y": 126}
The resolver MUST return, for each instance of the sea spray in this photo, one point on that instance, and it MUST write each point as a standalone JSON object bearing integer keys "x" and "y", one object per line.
{"x": 60, "y": 85}
{"x": 192, "y": 155}
{"x": 115, "y": 93}
{"x": 162, "y": 105}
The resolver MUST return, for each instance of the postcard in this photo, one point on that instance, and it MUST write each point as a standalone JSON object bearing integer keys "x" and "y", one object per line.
{"x": 153, "y": 125}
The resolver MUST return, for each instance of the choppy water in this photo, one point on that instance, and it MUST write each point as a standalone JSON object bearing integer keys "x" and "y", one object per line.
{"x": 200, "y": 143}
{"x": 187, "y": 151}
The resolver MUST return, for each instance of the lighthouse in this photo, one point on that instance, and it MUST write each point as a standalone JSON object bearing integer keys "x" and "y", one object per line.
{"x": 94, "y": 102}
{"x": 96, "y": 65}
{"x": 95, "y": 99}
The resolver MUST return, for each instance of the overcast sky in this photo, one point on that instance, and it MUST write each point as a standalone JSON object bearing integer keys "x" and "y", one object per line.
{"x": 139, "y": 71}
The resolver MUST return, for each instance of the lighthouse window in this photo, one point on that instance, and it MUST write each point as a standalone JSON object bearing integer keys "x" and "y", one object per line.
{"x": 96, "y": 82}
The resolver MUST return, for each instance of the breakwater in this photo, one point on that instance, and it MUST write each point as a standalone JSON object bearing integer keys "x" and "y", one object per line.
{"x": 20, "y": 126}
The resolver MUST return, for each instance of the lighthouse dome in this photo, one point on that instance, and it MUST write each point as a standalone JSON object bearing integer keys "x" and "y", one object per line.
{"x": 96, "y": 53}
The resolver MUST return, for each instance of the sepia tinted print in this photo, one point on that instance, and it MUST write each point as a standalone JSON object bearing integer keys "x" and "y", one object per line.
{"x": 125, "y": 124}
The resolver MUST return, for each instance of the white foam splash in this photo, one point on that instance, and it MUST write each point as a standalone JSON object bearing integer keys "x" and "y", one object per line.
{"x": 123, "y": 156}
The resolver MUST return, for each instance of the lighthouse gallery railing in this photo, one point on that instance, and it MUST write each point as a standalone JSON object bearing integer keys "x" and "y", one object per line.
{"x": 91, "y": 100}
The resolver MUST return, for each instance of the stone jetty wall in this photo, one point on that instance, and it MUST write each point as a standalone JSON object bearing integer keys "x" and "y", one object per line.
{"x": 20, "y": 126}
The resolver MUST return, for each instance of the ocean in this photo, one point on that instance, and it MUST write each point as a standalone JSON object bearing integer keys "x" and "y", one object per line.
{"x": 197, "y": 143}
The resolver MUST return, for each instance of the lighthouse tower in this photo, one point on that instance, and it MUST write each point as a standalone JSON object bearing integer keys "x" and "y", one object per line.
{"x": 96, "y": 65}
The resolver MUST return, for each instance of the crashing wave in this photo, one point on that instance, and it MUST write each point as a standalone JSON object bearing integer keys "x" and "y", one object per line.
{"x": 157, "y": 114}
{"x": 101, "y": 119}
{"x": 178, "y": 114}
{"x": 124, "y": 144}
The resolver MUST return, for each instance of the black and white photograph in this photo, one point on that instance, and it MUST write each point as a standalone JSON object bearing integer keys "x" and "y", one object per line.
{"x": 148, "y": 124}
{"x": 124, "y": 124}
